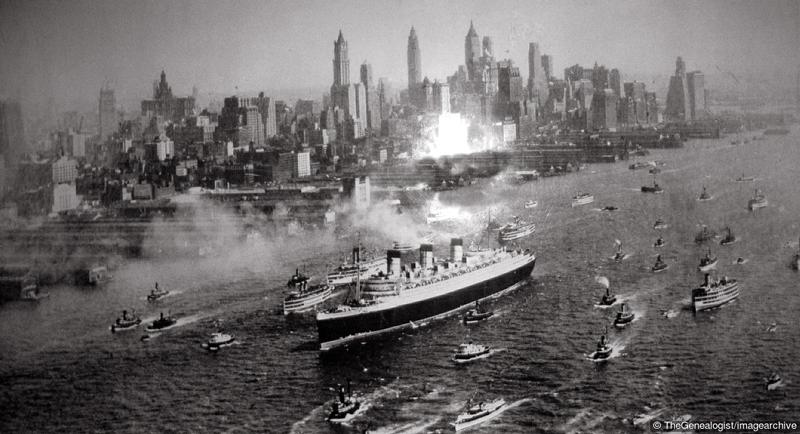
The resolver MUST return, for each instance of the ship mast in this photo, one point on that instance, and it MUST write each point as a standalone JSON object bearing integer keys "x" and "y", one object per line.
{"x": 358, "y": 268}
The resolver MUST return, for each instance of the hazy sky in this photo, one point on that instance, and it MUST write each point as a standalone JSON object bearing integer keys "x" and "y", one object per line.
{"x": 67, "y": 49}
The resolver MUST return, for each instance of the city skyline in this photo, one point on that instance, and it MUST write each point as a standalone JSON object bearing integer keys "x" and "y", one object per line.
{"x": 67, "y": 51}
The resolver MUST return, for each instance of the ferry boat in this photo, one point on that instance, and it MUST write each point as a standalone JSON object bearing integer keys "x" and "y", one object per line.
{"x": 624, "y": 316}
{"x": 515, "y": 230}
{"x": 582, "y": 199}
{"x": 407, "y": 293}
{"x": 163, "y": 322}
{"x": 219, "y": 340}
{"x": 157, "y": 294}
{"x": 758, "y": 201}
{"x": 469, "y": 352}
{"x": 479, "y": 413}
{"x": 126, "y": 322}
{"x": 714, "y": 293}
{"x": 659, "y": 265}
{"x": 704, "y": 196}
{"x": 730, "y": 238}
{"x": 346, "y": 407}
{"x": 346, "y": 273}
{"x": 660, "y": 224}
{"x": 303, "y": 298}
{"x": 708, "y": 262}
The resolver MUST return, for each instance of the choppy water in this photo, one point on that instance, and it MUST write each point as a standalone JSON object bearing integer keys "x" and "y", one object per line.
{"x": 61, "y": 370}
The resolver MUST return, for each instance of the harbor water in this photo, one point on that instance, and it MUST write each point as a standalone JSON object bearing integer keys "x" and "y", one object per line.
{"x": 62, "y": 370}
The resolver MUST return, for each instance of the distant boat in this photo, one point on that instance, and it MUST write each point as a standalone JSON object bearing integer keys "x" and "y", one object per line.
{"x": 531, "y": 204}
{"x": 582, "y": 199}
{"x": 479, "y": 413}
{"x": 624, "y": 317}
{"x": 157, "y": 294}
{"x": 730, "y": 238}
{"x": 745, "y": 178}
{"x": 660, "y": 265}
{"x": 477, "y": 314}
{"x": 638, "y": 165}
{"x": 163, "y": 322}
{"x": 660, "y": 224}
{"x": 704, "y": 195}
{"x": 704, "y": 235}
{"x": 796, "y": 259}
{"x": 515, "y": 230}
{"x": 470, "y": 352}
{"x": 126, "y": 322}
{"x": 654, "y": 189}
{"x": 659, "y": 243}
{"x": 758, "y": 201}
{"x": 774, "y": 381}
{"x": 604, "y": 350}
{"x": 619, "y": 255}
{"x": 708, "y": 262}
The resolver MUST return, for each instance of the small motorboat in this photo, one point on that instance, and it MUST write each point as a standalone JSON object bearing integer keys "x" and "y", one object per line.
{"x": 619, "y": 255}
{"x": 604, "y": 350}
{"x": 659, "y": 243}
{"x": 477, "y": 314}
{"x": 655, "y": 188}
{"x": 157, "y": 294}
{"x": 218, "y": 340}
{"x": 531, "y": 204}
{"x": 608, "y": 298}
{"x": 345, "y": 408}
{"x": 730, "y": 238}
{"x": 610, "y": 208}
{"x": 163, "y": 322}
{"x": 469, "y": 352}
{"x": 740, "y": 261}
{"x": 708, "y": 262}
{"x": 624, "y": 316}
{"x": 774, "y": 381}
{"x": 659, "y": 265}
{"x": 704, "y": 195}
{"x": 660, "y": 224}
{"x": 745, "y": 178}
{"x": 477, "y": 414}
{"x": 126, "y": 322}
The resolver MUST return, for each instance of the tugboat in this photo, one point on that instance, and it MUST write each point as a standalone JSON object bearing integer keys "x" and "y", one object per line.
{"x": 469, "y": 352}
{"x": 774, "y": 381}
{"x": 758, "y": 201}
{"x": 582, "y": 199}
{"x": 608, "y": 298}
{"x": 660, "y": 224}
{"x": 479, "y": 413}
{"x": 157, "y": 294}
{"x": 301, "y": 297}
{"x": 704, "y": 195}
{"x": 714, "y": 293}
{"x": 531, "y": 204}
{"x": 218, "y": 340}
{"x": 624, "y": 316}
{"x": 654, "y": 189}
{"x": 126, "y": 322}
{"x": 163, "y": 322}
{"x": 704, "y": 235}
{"x": 659, "y": 243}
{"x": 659, "y": 265}
{"x": 708, "y": 262}
{"x": 730, "y": 238}
{"x": 477, "y": 314}
{"x": 345, "y": 408}
{"x": 603, "y": 351}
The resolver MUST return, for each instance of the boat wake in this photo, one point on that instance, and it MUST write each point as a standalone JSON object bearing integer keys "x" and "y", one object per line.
{"x": 585, "y": 420}
{"x": 671, "y": 313}
{"x": 171, "y": 294}
{"x": 409, "y": 428}
{"x": 179, "y": 323}
{"x": 624, "y": 257}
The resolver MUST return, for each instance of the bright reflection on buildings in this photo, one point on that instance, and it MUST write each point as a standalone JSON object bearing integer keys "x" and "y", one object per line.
{"x": 448, "y": 134}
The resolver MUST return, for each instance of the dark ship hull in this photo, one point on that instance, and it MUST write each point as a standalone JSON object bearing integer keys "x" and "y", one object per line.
{"x": 336, "y": 331}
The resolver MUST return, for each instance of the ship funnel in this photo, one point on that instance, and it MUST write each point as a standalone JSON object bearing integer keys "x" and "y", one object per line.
{"x": 456, "y": 249}
{"x": 393, "y": 262}
{"x": 426, "y": 256}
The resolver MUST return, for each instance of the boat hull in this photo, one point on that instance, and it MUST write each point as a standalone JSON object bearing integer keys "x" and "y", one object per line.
{"x": 716, "y": 298}
{"x": 341, "y": 330}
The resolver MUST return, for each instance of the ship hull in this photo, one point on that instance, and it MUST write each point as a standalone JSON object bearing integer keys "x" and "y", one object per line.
{"x": 338, "y": 331}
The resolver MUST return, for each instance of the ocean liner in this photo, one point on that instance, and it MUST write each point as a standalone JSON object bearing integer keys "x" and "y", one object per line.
{"x": 420, "y": 291}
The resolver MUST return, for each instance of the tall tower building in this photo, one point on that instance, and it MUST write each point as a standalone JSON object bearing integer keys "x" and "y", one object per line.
{"x": 11, "y": 130}
{"x": 615, "y": 81}
{"x": 695, "y": 81}
{"x": 537, "y": 83}
{"x": 373, "y": 115}
{"x": 472, "y": 53}
{"x": 107, "y": 120}
{"x": 678, "y": 101}
{"x": 547, "y": 66}
{"x": 341, "y": 62}
{"x": 414, "y": 62}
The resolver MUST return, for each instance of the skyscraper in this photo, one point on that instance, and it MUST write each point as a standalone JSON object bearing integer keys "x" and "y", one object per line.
{"x": 695, "y": 81}
{"x": 373, "y": 116}
{"x": 615, "y": 81}
{"x": 547, "y": 66}
{"x": 414, "y": 63}
{"x": 441, "y": 97}
{"x": 165, "y": 105}
{"x": 341, "y": 62}
{"x": 678, "y": 101}
{"x": 107, "y": 113}
{"x": 472, "y": 53}
{"x": 537, "y": 84}
{"x": 11, "y": 130}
